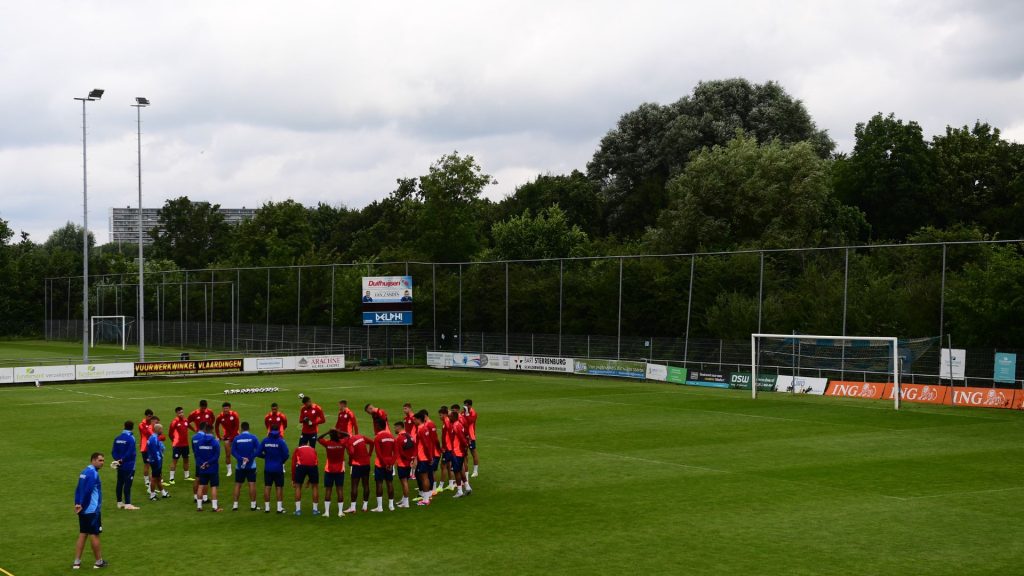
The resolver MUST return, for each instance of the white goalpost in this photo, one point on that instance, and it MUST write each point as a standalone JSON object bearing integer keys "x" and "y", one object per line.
{"x": 843, "y": 349}
{"x": 107, "y": 321}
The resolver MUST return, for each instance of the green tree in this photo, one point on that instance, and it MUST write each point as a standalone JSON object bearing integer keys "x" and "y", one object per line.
{"x": 577, "y": 195}
{"x": 278, "y": 233}
{"x": 889, "y": 176}
{"x": 546, "y": 235}
{"x": 68, "y": 237}
{"x": 192, "y": 234}
{"x": 448, "y": 222}
{"x": 745, "y": 194}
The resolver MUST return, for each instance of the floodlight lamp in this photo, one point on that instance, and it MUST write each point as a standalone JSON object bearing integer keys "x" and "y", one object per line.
{"x": 140, "y": 101}
{"x": 96, "y": 94}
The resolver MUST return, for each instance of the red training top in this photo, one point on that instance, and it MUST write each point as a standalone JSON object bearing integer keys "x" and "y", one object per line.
{"x": 347, "y": 422}
{"x": 405, "y": 456}
{"x": 335, "y": 454}
{"x": 384, "y": 449}
{"x": 179, "y": 432}
{"x": 200, "y": 416}
{"x": 315, "y": 414}
{"x": 359, "y": 447}
{"x": 229, "y": 421}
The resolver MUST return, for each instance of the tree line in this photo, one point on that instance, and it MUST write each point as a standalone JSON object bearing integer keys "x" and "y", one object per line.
{"x": 732, "y": 166}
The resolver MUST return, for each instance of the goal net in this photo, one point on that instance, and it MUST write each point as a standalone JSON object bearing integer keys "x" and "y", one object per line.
{"x": 110, "y": 330}
{"x": 804, "y": 363}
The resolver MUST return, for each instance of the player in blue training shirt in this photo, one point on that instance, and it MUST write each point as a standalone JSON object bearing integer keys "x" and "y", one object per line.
{"x": 155, "y": 457}
{"x": 88, "y": 497}
{"x": 207, "y": 451}
{"x": 274, "y": 451}
{"x": 123, "y": 456}
{"x": 244, "y": 448}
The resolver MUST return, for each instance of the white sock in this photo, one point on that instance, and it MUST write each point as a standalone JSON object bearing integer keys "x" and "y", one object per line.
{"x": 206, "y": 497}
{"x": 298, "y": 506}
{"x": 380, "y": 501}
{"x": 172, "y": 475}
{"x": 229, "y": 469}
{"x": 187, "y": 473}
{"x": 215, "y": 505}
{"x": 280, "y": 505}
{"x": 366, "y": 505}
{"x": 341, "y": 505}
{"x": 391, "y": 503}
{"x": 475, "y": 468}
{"x": 458, "y": 491}
{"x": 234, "y": 505}
{"x": 266, "y": 506}
{"x": 164, "y": 492}
{"x": 468, "y": 487}
{"x": 199, "y": 505}
{"x": 315, "y": 507}
{"x": 451, "y": 484}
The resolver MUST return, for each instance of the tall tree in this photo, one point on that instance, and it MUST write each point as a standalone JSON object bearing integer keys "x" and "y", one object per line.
{"x": 574, "y": 193}
{"x": 889, "y": 176}
{"x": 649, "y": 145}
{"x": 546, "y": 235}
{"x": 278, "y": 233}
{"x": 192, "y": 234}
{"x": 448, "y": 222}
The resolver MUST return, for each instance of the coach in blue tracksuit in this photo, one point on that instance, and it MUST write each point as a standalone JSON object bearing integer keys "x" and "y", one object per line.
{"x": 244, "y": 448}
{"x": 88, "y": 497}
{"x": 123, "y": 455}
{"x": 207, "y": 451}
{"x": 274, "y": 451}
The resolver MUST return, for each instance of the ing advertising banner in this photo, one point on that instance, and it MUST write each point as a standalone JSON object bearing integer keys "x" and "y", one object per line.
{"x": 867, "y": 390}
{"x": 924, "y": 393}
{"x": 982, "y": 397}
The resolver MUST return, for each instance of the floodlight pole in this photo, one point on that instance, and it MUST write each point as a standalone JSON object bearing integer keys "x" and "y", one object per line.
{"x": 141, "y": 103}
{"x": 94, "y": 94}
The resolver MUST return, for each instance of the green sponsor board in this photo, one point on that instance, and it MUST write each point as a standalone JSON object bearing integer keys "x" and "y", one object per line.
{"x": 676, "y": 375}
{"x": 741, "y": 380}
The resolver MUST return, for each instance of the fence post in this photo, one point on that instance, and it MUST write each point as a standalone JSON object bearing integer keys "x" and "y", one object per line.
{"x": 942, "y": 306}
{"x": 760, "y": 294}
{"x": 560, "y": 277}
{"x": 333, "y": 267}
{"x": 618, "y": 341}
{"x": 689, "y": 306}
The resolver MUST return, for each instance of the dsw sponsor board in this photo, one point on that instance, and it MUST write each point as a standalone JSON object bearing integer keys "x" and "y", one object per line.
{"x": 104, "y": 371}
{"x": 44, "y": 373}
{"x": 324, "y": 362}
{"x": 741, "y": 380}
{"x": 707, "y": 379}
{"x": 541, "y": 364}
{"x": 620, "y": 368}
{"x": 477, "y": 360}
{"x": 868, "y": 390}
{"x": 6, "y": 375}
{"x": 188, "y": 367}
{"x": 801, "y": 385}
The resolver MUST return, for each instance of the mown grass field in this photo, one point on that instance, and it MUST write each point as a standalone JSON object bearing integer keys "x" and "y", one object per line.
{"x": 577, "y": 476}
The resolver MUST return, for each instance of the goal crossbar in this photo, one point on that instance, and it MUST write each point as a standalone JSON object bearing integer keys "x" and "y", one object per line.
{"x": 92, "y": 329}
{"x": 892, "y": 341}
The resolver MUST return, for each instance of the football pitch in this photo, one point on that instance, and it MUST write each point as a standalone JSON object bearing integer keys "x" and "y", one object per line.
{"x": 577, "y": 476}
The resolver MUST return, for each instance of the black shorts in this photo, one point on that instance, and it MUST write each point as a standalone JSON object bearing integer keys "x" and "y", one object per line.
{"x": 434, "y": 464}
{"x": 332, "y": 479}
{"x": 472, "y": 444}
{"x": 457, "y": 463}
{"x": 380, "y": 474}
{"x": 273, "y": 479}
{"x": 309, "y": 439}
{"x": 446, "y": 457}
{"x": 179, "y": 452}
{"x": 360, "y": 472}
{"x": 156, "y": 469}
{"x": 303, "y": 473}
{"x": 403, "y": 472}
{"x": 89, "y": 523}
{"x": 423, "y": 467}
{"x": 245, "y": 475}
{"x": 211, "y": 479}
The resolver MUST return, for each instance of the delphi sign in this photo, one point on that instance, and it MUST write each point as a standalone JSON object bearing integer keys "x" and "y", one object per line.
{"x": 387, "y": 300}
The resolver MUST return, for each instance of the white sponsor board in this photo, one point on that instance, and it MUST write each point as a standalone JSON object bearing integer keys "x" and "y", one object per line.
{"x": 953, "y": 359}
{"x": 104, "y": 371}
{"x": 541, "y": 364}
{"x": 44, "y": 373}
{"x": 477, "y": 360}
{"x": 387, "y": 289}
{"x": 439, "y": 359}
{"x": 325, "y": 362}
{"x": 657, "y": 372}
{"x": 801, "y": 385}
{"x": 269, "y": 364}
{"x": 6, "y": 375}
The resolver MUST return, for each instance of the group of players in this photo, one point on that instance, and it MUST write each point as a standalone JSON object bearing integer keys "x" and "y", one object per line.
{"x": 409, "y": 446}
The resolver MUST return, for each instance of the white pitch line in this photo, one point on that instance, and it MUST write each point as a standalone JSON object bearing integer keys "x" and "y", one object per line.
{"x": 967, "y": 493}
{"x": 60, "y": 402}
{"x": 85, "y": 393}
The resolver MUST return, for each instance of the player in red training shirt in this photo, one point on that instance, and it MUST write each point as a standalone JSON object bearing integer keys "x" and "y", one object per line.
{"x": 311, "y": 416}
{"x": 460, "y": 446}
{"x": 226, "y": 428}
{"x": 379, "y": 416}
{"x": 346, "y": 419}
{"x": 359, "y": 448}
{"x": 334, "y": 470}
{"x": 424, "y": 457}
{"x": 405, "y": 457}
{"x": 145, "y": 431}
{"x": 408, "y": 420}
{"x": 305, "y": 467}
{"x": 275, "y": 419}
{"x": 200, "y": 416}
{"x": 384, "y": 454}
{"x": 179, "y": 443}
{"x": 469, "y": 421}
{"x": 446, "y": 452}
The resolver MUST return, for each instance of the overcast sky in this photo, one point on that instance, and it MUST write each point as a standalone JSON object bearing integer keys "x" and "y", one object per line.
{"x": 332, "y": 101}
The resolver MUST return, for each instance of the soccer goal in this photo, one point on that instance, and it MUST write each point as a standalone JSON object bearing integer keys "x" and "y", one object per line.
{"x": 108, "y": 329}
{"x": 797, "y": 354}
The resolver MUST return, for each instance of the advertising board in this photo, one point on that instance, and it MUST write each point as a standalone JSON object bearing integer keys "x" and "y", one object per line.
{"x": 104, "y": 371}
{"x": 541, "y": 364}
{"x": 618, "y": 368}
{"x": 44, "y": 373}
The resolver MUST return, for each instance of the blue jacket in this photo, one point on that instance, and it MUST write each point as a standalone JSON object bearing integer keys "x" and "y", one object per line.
{"x": 88, "y": 493}
{"x": 274, "y": 451}
{"x": 207, "y": 450}
{"x": 124, "y": 450}
{"x": 244, "y": 447}
{"x": 154, "y": 450}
